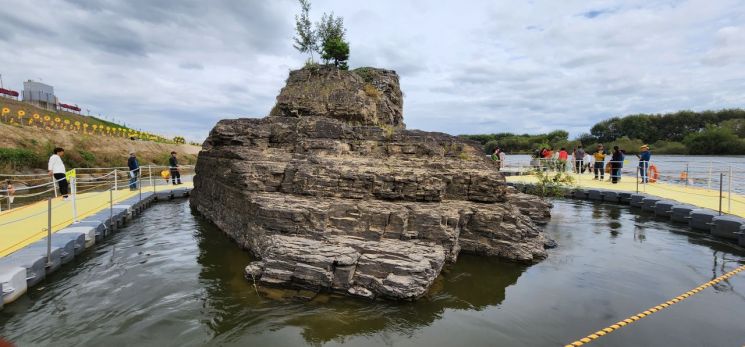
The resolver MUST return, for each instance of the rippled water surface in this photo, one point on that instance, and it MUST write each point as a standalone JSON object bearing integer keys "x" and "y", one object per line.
{"x": 169, "y": 279}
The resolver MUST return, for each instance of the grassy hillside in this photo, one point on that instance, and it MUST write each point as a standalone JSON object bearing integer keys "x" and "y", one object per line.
{"x": 14, "y": 106}
{"x": 19, "y": 113}
{"x": 27, "y": 149}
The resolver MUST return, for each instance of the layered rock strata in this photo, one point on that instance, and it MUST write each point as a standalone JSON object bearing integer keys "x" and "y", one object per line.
{"x": 331, "y": 192}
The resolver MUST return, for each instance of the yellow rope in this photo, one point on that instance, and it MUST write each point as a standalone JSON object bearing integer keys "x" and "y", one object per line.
{"x": 638, "y": 316}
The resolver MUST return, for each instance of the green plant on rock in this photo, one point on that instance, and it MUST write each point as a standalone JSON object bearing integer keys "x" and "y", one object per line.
{"x": 550, "y": 184}
{"x": 305, "y": 39}
{"x": 327, "y": 38}
{"x": 336, "y": 49}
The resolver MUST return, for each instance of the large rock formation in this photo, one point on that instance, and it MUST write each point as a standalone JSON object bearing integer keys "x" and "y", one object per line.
{"x": 330, "y": 191}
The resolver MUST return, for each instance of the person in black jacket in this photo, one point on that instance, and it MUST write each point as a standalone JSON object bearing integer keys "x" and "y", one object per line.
{"x": 173, "y": 165}
{"x": 134, "y": 171}
{"x": 616, "y": 164}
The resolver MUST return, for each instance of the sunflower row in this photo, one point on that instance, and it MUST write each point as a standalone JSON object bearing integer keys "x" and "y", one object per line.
{"x": 49, "y": 122}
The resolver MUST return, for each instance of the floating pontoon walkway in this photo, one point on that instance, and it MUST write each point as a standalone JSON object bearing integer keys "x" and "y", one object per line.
{"x": 25, "y": 225}
{"x": 27, "y": 256}
{"x": 696, "y": 196}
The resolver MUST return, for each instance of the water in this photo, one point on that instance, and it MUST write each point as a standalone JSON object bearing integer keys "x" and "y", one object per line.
{"x": 169, "y": 279}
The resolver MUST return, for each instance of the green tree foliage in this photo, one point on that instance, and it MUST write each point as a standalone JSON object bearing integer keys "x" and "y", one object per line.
{"x": 327, "y": 39}
{"x": 337, "y": 50}
{"x": 651, "y": 128}
{"x": 523, "y": 143}
{"x": 736, "y": 125}
{"x": 714, "y": 139}
{"x": 305, "y": 36}
{"x": 331, "y": 32}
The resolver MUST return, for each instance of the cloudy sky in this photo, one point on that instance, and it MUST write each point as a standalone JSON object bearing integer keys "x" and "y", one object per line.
{"x": 176, "y": 67}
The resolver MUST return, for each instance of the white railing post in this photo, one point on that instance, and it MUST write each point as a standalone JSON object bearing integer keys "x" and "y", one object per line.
{"x": 74, "y": 198}
{"x": 150, "y": 173}
{"x": 49, "y": 232}
{"x": 116, "y": 180}
{"x": 54, "y": 184}
{"x": 708, "y": 184}
{"x": 729, "y": 190}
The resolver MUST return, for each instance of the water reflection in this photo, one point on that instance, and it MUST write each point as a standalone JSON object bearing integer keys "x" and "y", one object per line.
{"x": 170, "y": 279}
{"x": 473, "y": 283}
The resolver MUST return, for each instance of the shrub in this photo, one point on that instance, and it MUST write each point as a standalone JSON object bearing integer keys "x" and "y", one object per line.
{"x": 714, "y": 140}
{"x": 550, "y": 184}
{"x": 366, "y": 73}
{"x": 89, "y": 157}
{"x": 669, "y": 147}
{"x": 18, "y": 158}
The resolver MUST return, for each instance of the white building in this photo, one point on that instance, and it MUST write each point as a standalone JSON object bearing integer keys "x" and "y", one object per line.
{"x": 39, "y": 94}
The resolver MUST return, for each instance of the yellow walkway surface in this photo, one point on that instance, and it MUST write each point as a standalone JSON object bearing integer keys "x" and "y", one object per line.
{"x": 24, "y": 225}
{"x": 701, "y": 197}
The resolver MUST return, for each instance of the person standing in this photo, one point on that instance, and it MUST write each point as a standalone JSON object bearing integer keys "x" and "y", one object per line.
{"x": 644, "y": 157}
{"x": 502, "y": 156}
{"x": 134, "y": 171}
{"x": 589, "y": 163}
{"x": 57, "y": 170}
{"x": 173, "y": 166}
{"x": 616, "y": 164}
{"x": 497, "y": 156}
{"x": 599, "y": 167}
{"x": 563, "y": 157}
{"x": 579, "y": 160}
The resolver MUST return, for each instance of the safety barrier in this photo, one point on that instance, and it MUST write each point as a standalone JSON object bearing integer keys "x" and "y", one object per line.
{"x": 40, "y": 241}
{"x": 30, "y": 188}
{"x": 712, "y": 179}
{"x": 613, "y": 327}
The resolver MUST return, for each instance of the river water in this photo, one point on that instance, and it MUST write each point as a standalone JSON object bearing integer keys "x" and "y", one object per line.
{"x": 170, "y": 279}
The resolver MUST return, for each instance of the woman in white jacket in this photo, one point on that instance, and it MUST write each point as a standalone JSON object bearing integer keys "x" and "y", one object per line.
{"x": 57, "y": 170}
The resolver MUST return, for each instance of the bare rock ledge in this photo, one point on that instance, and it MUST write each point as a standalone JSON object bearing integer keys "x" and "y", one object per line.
{"x": 331, "y": 193}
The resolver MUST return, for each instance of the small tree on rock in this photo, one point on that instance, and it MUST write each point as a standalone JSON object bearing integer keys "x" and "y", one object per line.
{"x": 305, "y": 38}
{"x": 329, "y": 31}
{"x": 337, "y": 50}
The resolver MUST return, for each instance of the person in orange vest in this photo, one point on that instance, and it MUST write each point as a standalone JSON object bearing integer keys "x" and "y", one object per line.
{"x": 599, "y": 167}
{"x": 563, "y": 158}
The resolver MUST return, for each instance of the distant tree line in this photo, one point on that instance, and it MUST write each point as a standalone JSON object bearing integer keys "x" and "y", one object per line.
{"x": 682, "y": 132}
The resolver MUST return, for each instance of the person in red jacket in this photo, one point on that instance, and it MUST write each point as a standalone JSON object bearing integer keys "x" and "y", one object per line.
{"x": 563, "y": 158}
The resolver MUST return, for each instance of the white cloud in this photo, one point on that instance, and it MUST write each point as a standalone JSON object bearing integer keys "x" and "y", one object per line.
{"x": 480, "y": 66}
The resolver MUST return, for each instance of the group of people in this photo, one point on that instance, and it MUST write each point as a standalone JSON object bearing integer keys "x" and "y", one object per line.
{"x": 597, "y": 163}
{"x": 57, "y": 170}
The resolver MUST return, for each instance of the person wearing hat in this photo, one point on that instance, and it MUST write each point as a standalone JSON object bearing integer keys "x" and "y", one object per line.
{"x": 599, "y": 166}
{"x": 134, "y": 171}
{"x": 173, "y": 166}
{"x": 644, "y": 157}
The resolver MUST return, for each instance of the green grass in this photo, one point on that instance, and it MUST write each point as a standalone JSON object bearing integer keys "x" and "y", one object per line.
{"x": 16, "y": 158}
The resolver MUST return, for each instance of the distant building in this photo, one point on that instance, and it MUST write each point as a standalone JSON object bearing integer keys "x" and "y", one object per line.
{"x": 39, "y": 94}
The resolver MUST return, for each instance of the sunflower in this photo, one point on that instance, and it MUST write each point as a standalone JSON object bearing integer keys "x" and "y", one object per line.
{"x": 57, "y": 119}
{"x": 47, "y": 118}
{"x": 21, "y": 113}
{"x": 6, "y": 110}
{"x": 36, "y": 116}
